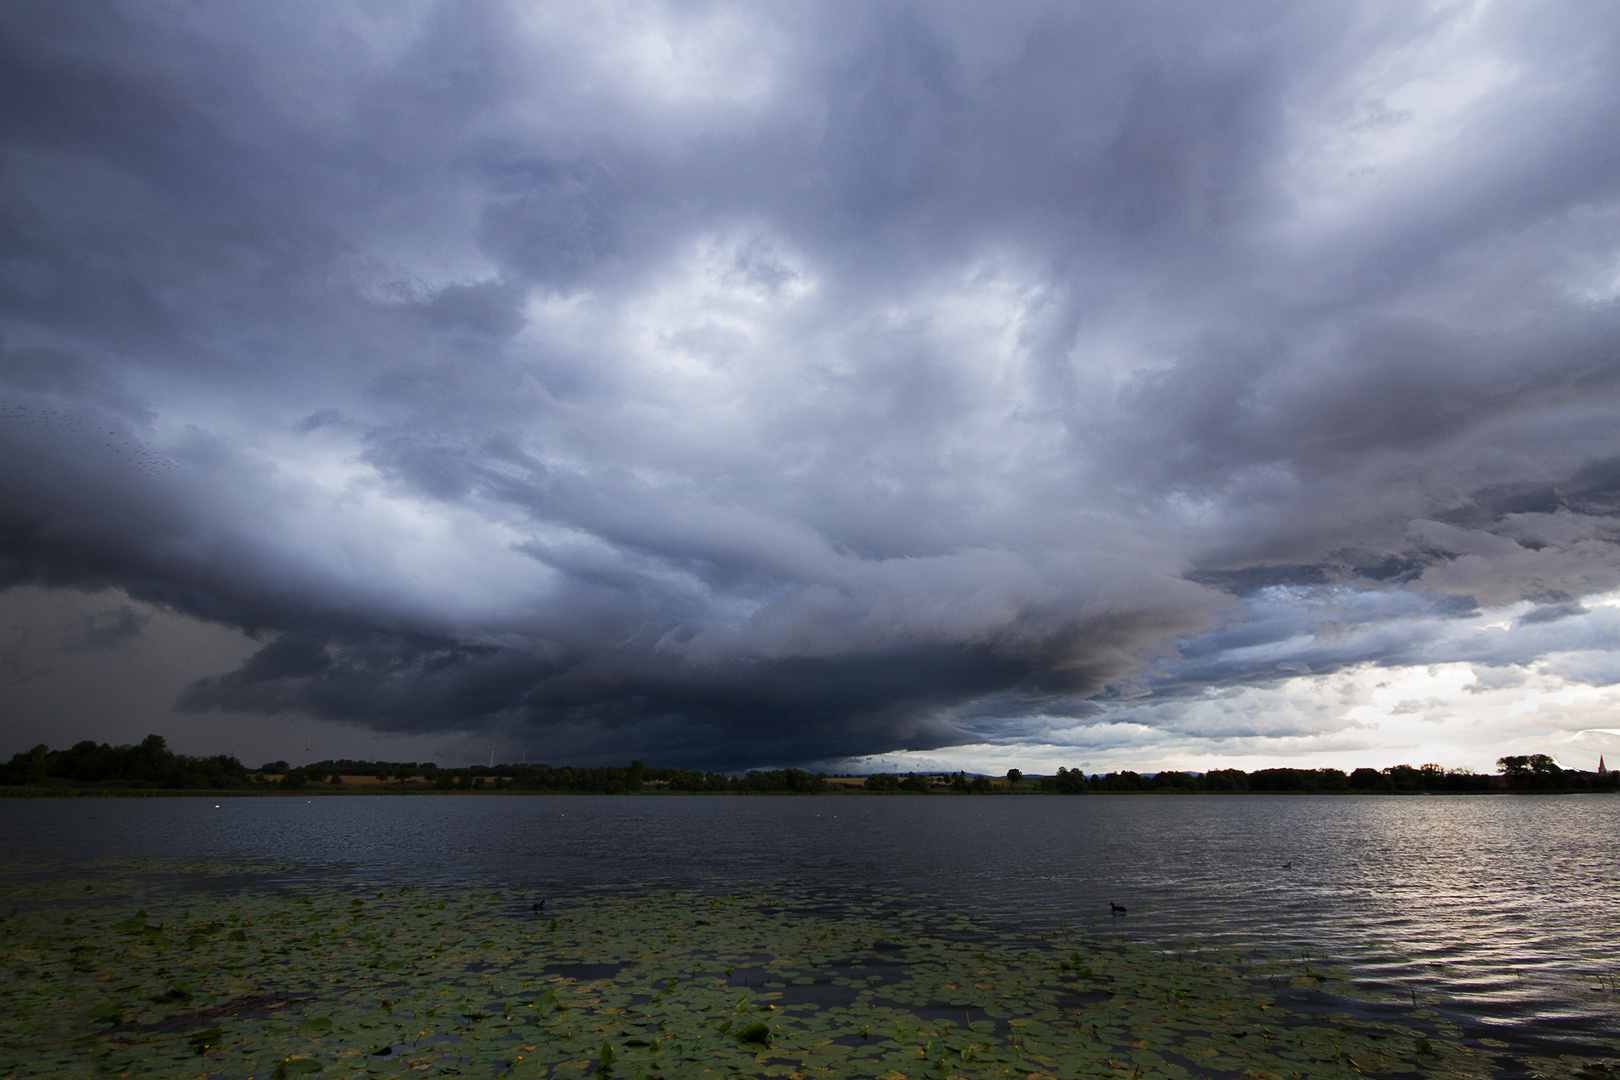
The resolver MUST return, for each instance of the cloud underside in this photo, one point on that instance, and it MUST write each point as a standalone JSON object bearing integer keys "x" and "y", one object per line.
{"x": 730, "y": 386}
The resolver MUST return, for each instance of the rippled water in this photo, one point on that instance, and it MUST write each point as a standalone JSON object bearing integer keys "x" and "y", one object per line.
{"x": 1501, "y": 910}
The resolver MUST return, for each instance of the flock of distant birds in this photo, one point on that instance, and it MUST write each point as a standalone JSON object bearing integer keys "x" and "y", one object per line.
{"x": 128, "y": 451}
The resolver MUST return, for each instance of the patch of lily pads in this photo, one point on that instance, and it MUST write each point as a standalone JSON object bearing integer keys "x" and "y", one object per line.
{"x": 106, "y": 973}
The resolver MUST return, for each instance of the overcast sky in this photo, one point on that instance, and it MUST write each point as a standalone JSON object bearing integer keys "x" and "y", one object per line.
{"x": 1113, "y": 385}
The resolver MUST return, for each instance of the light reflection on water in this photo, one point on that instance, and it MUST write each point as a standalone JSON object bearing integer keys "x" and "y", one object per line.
{"x": 1501, "y": 908}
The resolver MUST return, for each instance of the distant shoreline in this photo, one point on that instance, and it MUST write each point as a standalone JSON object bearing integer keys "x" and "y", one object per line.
{"x": 151, "y": 768}
{"x": 405, "y": 791}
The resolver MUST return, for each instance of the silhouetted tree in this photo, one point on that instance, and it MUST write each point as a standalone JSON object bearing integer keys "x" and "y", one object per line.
{"x": 1226, "y": 780}
{"x": 1065, "y": 782}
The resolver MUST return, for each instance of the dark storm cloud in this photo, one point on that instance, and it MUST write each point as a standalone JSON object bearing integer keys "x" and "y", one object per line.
{"x": 734, "y": 385}
{"x": 730, "y": 716}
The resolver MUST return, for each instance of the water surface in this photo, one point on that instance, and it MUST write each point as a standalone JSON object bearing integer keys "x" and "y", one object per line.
{"x": 1501, "y": 910}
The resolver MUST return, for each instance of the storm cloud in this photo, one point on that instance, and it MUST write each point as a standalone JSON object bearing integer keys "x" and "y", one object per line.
{"x": 729, "y": 384}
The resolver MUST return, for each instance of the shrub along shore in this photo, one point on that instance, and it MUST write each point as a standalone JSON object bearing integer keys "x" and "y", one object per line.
{"x": 151, "y": 768}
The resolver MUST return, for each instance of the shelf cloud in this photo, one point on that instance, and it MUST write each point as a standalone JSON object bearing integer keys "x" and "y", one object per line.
{"x": 732, "y": 385}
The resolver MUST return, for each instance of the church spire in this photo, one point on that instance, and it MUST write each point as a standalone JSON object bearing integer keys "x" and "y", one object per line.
{"x": 1603, "y": 770}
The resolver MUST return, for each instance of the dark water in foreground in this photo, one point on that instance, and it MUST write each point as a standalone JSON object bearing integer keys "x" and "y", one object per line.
{"x": 1501, "y": 911}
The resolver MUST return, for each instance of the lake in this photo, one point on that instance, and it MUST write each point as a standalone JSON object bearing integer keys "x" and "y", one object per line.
{"x": 1499, "y": 910}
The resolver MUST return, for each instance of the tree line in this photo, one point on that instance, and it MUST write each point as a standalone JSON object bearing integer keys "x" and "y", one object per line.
{"x": 1534, "y": 772}
{"x": 1540, "y": 774}
{"x": 150, "y": 764}
{"x": 602, "y": 780}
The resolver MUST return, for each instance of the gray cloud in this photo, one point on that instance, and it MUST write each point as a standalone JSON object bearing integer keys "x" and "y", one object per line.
{"x": 733, "y": 385}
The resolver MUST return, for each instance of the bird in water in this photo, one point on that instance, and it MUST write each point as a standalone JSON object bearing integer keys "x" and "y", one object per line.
{"x": 1288, "y": 866}
{"x": 1115, "y": 909}
{"x": 538, "y": 908}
